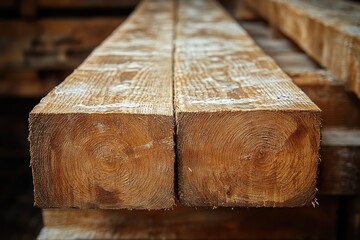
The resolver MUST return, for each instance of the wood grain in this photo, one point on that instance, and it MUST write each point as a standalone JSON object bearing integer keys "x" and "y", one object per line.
{"x": 327, "y": 30}
{"x": 339, "y": 170}
{"x": 104, "y": 137}
{"x": 246, "y": 135}
{"x": 188, "y": 223}
{"x": 339, "y": 108}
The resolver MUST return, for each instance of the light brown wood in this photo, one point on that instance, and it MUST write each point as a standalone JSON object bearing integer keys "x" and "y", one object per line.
{"x": 188, "y": 223}
{"x": 327, "y": 30}
{"x": 104, "y": 137}
{"x": 339, "y": 171}
{"x": 339, "y": 107}
{"x": 246, "y": 135}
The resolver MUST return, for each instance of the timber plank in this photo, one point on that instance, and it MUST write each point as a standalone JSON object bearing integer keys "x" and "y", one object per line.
{"x": 86, "y": 3}
{"x": 339, "y": 172}
{"x": 188, "y": 223}
{"x": 326, "y": 30}
{"x": 340, "y": 165}
{"x": 338, "y": 107}
{"x": 104, "y": 137}
{"x": 340, "y": 162}
{"x": 246, "y": 135}
{"x": 52, "y": 43}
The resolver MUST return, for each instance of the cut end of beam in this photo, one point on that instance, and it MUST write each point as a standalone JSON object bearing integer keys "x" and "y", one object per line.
{"x": 102, "y": 161}
{"x": 258, "y": 158}
{"x": 247, "y": 135}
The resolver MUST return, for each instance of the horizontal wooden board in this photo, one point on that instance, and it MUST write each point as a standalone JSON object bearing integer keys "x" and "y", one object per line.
{"x": 29, "y": 83}
{"x": 339, "y": 172}
{"x": 340, "y": 166}
{"x": 246, "y": 135}
{"x": 327, "y": 30}
{"x": 51, "y": 43}
{"x": 86, "y": 3}
{"x": 339, "y": 107}
{"x": 190, "y": 223}
{"x": 104, "y": 137}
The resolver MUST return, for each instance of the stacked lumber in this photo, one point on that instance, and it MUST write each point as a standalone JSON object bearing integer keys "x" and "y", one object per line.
{"x": 245, "y": 134}
{"x": 340, "y": 166}
{"x": 340, "y": 151}
{"x": 37, "y": 53}
{"x": 327, "y": 30}
{"x": 122, "y": 97}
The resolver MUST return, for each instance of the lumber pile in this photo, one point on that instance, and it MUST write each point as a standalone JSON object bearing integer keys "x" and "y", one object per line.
{"x": 327, "y": 30}
{"x": 175, "y": 83}
{"x": 235, "y": 147}
{"x": 37, "y": 53}
{"x": 340, "y": 159}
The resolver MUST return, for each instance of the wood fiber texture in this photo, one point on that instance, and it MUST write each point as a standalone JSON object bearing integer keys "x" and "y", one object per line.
{"x": 327, "y": 30}
{"x": 246, "y": 135}
{"x": 339, "y": 170}
{"x": 104, "y": 137}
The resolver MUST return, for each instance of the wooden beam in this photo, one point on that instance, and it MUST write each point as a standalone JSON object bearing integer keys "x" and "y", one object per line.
{"x": 52, "y": 43}
{"x": 246, "y": 135}
{"x": 326, "y": 30}
{"x": 87, "y": 3}
{"x": 29, "y": 83}
{"x": 340, "y": 111}
{"x": 242, "y": 12}
{"x": 238, "y": 9}
{"x": 188, "y": 223}
{"x": 339, "y": 107}
{"x": 28, "y": 8}
{"x": 339, "y": 170}
{"x": 104, "y": 137}
{"x": 340, "y": 165}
